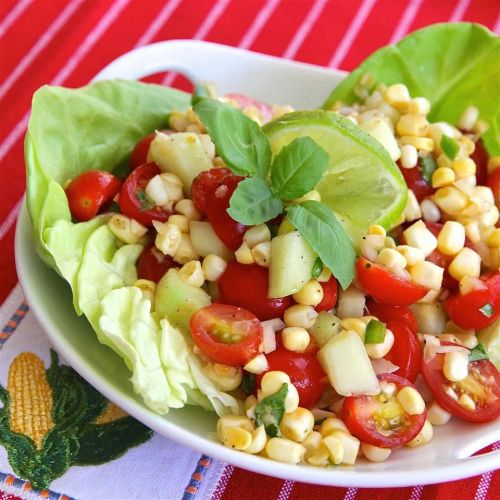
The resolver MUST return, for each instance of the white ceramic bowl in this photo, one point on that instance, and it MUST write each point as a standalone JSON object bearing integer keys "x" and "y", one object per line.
{"x": 274, "y": 80}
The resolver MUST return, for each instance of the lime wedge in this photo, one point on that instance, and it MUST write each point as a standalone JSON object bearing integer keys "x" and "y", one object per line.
{"x": 362, "y": 185}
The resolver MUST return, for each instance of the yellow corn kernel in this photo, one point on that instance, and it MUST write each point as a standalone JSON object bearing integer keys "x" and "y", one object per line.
{"x": 178, "y": 121}
{"x": 225, "y": 377}
{"x": 463, "y": 167}
{"x": 310, "y": 295}
{"x": 409, "y": 156}
{"x": 390, "y": 258}
{"x": 325, "y": 275}
{"x": 320, "y": 457}
{"x": 192, "y": 274}
{"x": 480, "y": 127}
{"x": 335, "y": 449}
{"x": 126, "y": 229}
{"x": 185, "y": 251}
{"x": 187, "y": 208}
{"x": 285, "y": 227}
{"x": 443, "y": 161}
{"x": 472, "y": 231}
{"x": 297, "y": 425}
{"x": 493, "y": 164}
{"x": 467, "y": 146}
{"x": 233, "y": 421}
{"x": 456, "y": 365}
{"x": 417, "y": 235}
{"x": 419, "y": 106}
{"x": 450, "y": 199}
{"x": 181, "y": 221}
{"x": 374, "y": 453}
{"x": 295, "y": 338}
{"x": 213, "y": 267}
{"x": 411, "y": 401}
{"x": 397, "y": 95}
{"x": 437, "y": 415}
{"x": 332, "y": 424}
{"x": 466, "y": 263}
{"x": 244, "y": 255}
{"x": 411, "y": 254}
{"x": 465, "y": 401}
{"x": 31, "y": 398}
{"x": 285, "y": 450}
{"x": 427, "y": 274}
{"x": 451, "y": 238}
{"x": 493, "y": 239}
{"x": 423, "y": 437}
{"x": 168, "y": 239}
{"x": 257, "y": 234}
{"x": 376, "y": 229}
{"x": 272, "y": 381}
{"x": 356, "y": 324}
{"x": 420, "y": 143}
{"x": 148, "y": 289}
{"x": 412, "y": 209}
{"x": 490, "y": 217}
{"x": 469, "y": 284}
{"x": 350, "y": 444}
{"x": 468, "y": 118}
{"x": 300, "y": 315}
{"x": 430, "y": 211}
{"x": 312, "y": 443}
{"x": 257, "y": 365}
{"x": 236, "y": 438}
{"x": 259, "y": 440}
{"x": 261, "y": 254}
{"x": 443, "y": 176}
{"x": 377, "y": 351}
{"x": 414, "y": 125}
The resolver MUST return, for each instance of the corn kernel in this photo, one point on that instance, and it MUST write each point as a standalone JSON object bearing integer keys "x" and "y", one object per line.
{"x": 437, "y": 415}
{"x": 451, "y": 238}
{"x": 463, "y": 167}
{"x": 427, "y": 274}
{"x": 468, "y": 118}
{"x": 285, "y": 450}
{"x": 472, "y": 231}
{"x": 355, "y": 324}
{"x": 456, "y": 365}
{"x": 213, "y": 267}
{"x": 126, "y": 229}
{"x": 377, "y": 351}
{"x": 187, "y": 208}
{"x": 430, "y": 211}
{"x": 310, "y": 295}
{"x": 397, "y": 95}
{"x": 335, "y": 449}
{"x": 485, "y": 194}
{"x": 332, "y": 424}
{"x": 375, "y": 453}
{"x": 390, "y": 258}
{"x": 412, "y": 209}
{"x": 493, "y": 239}
{"x": 470, "y": 284}
{"x": 259, "y": 440}
{"x": 420, "y": 143}
{"x": 185, "y": 251}
{"x": 257, "y": 234}
{"x": 443, "y": 176}
{"x": 411, "y": 254}
{"x": 300, "y": 315}
{"x": 351, "y": 303}
{"x": 465, "y": 401}
{"x": 325, "y": 275}
{"x": 181, "y": 221}
{"x": 297, "y": 425}
{"x": 415, "y": 125}
{"x": 295, "y": 338}
{"x": 168, "y": 239}
{"x": 320, "y": 457}
{"x": 450, "y": 199}
{"x": 417, "y": 235}
{"x": 411, "y": 401}
{"x": 466, "y": 263}
{"x": 192, "y": 274}
{"x": 148, "y": 289}
{"x": 236, "y": 438}
{"x": 376, "y": 229}
{"x": 244, "y": 255}
{"x": 312, "y": 443}
{"x": 437, "y": 129}
{"x": 350, "y": 445}
{"x": 257, "y": 365}
{"x": 272, "y": 381}
{"x": 424, "y": 436}
{"x": 285, "y": 227}
{"x": 233, "y": 421}
{"x": 261, "y": 254}
{"x": 419, "y": 106}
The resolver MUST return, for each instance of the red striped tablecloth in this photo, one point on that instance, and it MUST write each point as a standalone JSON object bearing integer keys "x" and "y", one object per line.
{"x": 67, "y": 42}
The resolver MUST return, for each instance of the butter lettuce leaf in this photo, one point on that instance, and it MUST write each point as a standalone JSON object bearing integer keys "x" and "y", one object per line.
{"x": 454, "y": 65}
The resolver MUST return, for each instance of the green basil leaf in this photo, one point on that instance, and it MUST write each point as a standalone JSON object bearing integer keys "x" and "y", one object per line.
{"x": 478, "y": 353}
{"x": 317, "y": 223}
{"x": 270, "y": 411}
{"x": 297, "y": 168}
{"x": 146, "y": 202}
{"x": 317, "y": 268}
{"x": 248, "y": 383}
{"x": 375, "y": 332}
{"x": 449, "y": 146}
{"x": 487, "y": 310}
{"x": 238, "y": 139}
{"x": 253, "y": 202}
{"x": 428, "y": 165}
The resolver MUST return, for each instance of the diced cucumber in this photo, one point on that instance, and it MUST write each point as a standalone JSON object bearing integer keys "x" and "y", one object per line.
{"x": 325, "y": 327}
{"x": 292, "y": 260}
{"x": 431, "y": 318}
{"x": 178, "y": 301}
{"x": 182, "y": 154}
{"x": 205, "y": 241}
{"x": 490, "y": 338}
{"x": 347, "y": 365}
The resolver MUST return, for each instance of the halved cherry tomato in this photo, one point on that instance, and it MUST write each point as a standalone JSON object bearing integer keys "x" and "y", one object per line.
{"x": 415, "y": 182}
{"x": 133, "y": 200}
{"x": 140, "y": 152}
{"x": 493, "y": 182}
{"x": 380, "y": 420}
{"x": 477, "y": 309}
{"x": 405, "y": 353}
{"x": 385, "y": 286}
{"x": 204, "y": 184}
{"x": 482, "y": 385}
{"x": 246, "y": 286}
{"x": 304, "y": 371}
{"x": 329, "y": 295}
{"x": 480, "y": 157}
{"x": 89, "y": 192}
{"x": 244, "y": 102}
{"x": 226, "y": 334}
{"x": 153, "y": 264}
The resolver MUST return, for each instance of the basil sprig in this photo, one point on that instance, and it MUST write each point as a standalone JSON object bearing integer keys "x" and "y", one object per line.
{"x": 478, "y": 353}
{"x": 270, "y": 411}
{"x": 293, "y": 172}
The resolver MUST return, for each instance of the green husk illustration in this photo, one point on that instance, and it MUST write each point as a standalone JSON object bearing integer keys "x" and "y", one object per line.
{"x": 53, "y": 419}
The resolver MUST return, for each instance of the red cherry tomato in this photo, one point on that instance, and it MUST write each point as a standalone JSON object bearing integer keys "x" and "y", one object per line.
{"x": 244, "y": 102}
{"x": 385, "y": 286}
{"x": 246, "y": 286}
{"x": 482, "y": 385}
{"x": 415, "y": 182}
{"x": 465, "y": 310}
{"x": 226, "y": 334}
{"x": 153, "y": 264}
{"x": 304, "y": 371}
{"x": 480, "y": 157}
{"x": 133, "y": 201}
{"x": 204, "y": 184}
{"x": 89, "y": 192}
{"x": 385, "y": 313}
{"x": 380, "y": 420}
{"x": 329, "y": 295}
{"x": 493, "y": 182}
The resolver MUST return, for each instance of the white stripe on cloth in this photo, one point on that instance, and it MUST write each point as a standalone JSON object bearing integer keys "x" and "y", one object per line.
{"x": 286, "y": 489}
{"x": 484, "y": 483}
{"x": 213, "y": 16}
{"x": 10, "y": 219}
{"x": 459, "y": 11}
{"x": 163, "y": 16}
{"x": 350, "y": 494}
{"x": 407, "y": 18}
{"x": 223, "y": 481}
{"x": 351, "y": 33}
{"x": 416, "y": 492}
{"x": 496, "y": 28}
{"x": 40, "y": 45}
{"x": 13, "y": 15}
{"x": 304, "y": 29}
{"x": 259, "y": 22}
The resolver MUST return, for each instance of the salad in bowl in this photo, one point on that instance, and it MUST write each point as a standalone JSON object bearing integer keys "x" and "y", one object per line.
{"x": 327, "y": 281}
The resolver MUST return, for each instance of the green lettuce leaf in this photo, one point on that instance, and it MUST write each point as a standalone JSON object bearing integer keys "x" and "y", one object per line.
{"x": 93, "y": 127}
{"x": 454, "y": 65}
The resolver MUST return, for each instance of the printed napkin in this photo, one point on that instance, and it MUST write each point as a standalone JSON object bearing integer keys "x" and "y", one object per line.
{"x": 61, "y": 439}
